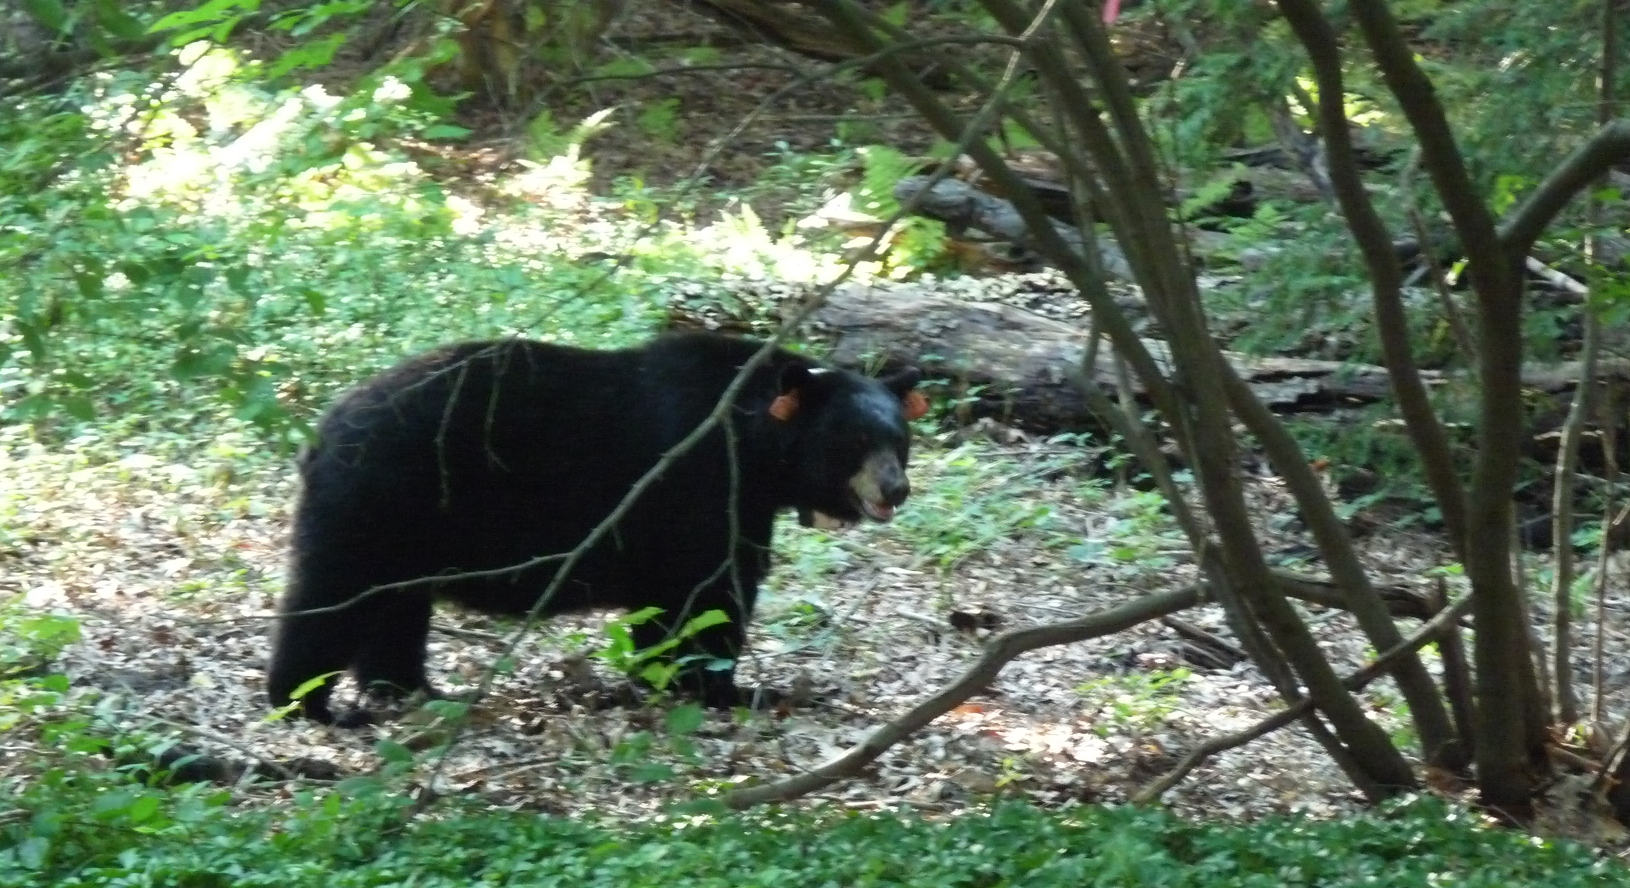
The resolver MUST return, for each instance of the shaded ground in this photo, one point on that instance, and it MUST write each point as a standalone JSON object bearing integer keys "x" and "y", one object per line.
{"x": 173, "y": 570}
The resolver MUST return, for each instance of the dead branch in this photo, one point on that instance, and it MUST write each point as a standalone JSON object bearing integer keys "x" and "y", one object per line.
{"x": 958, "y": 203}
{"x": 1001, "y": 650}
{"x": 1400, "y": 601}
{"x": 1218, "y": 651}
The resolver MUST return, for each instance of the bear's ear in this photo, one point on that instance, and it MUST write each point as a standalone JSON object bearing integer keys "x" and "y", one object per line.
{"x": 915, "y": 404}
{"x": 793, "y": 379}
{"x": 904, "y": 386}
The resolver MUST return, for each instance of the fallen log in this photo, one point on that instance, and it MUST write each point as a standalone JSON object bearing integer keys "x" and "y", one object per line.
{"x": 1016, "y": 360}
{"x": 963, "y": 206}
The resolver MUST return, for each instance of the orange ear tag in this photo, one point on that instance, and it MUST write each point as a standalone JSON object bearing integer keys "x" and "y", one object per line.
{"x": 915, "y": 404}
{"x": 784, "y": 407}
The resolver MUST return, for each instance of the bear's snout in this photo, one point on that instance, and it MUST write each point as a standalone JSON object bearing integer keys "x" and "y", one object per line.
{"x": 894, "y": 487}
{"x": 880, "y": 485}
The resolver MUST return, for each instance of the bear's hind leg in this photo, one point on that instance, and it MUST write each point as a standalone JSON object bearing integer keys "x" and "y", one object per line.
{"x": 305, "y": 647}
{"x": 391, "y": 658}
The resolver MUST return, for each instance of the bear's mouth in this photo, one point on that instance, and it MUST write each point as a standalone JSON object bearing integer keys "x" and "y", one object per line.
{"x": 879, "y": 511}
{"x": 873, "y": 492}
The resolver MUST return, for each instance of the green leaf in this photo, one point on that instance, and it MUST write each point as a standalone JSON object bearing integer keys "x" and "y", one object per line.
{"x": 116, "y": 21}
{"x": 115, "y": 802}
{"x": 237, "y": 278}
{"x": 658, "y": 675}
{"x": 445, "y": 131}
{"x": 48, "y": 13}
{"x": 89, "y": 284}
{"x": 361, "y": 786}
{"x": 643, "y": 615}
{"x": 143, "y": 808}
{"x": 451, "y": 710}
{"x": 33, "y": 852}
{"x": 706, "y": 620}
{"x": 652, "y": 772}
{"x": 315, "y": 54}
{"x": 207, "y": 14}
{"x": 222, "y": 31}
{"x": 685, "y": 719}
{"x": 702, "y": 55}
{"x": 391, "y": 751}
{"x": 631, "y": 67}
{"x": 194, "y": 363}
{"x": 137, "y": 272}
{"x": 311, "y": 684}
{"x": 77, "y": 406}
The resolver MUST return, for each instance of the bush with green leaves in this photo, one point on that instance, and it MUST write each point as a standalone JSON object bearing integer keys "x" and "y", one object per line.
{"x": 77, "y": 827}
{"x": 29, "y": 643}
{"x": 277, "y": 253}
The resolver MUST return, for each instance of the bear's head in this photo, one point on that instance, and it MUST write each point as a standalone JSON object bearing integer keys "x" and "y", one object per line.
{"x": 845, "y": 456}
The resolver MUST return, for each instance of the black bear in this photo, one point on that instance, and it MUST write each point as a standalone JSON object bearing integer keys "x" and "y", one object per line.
{"x": 485, "y": 455}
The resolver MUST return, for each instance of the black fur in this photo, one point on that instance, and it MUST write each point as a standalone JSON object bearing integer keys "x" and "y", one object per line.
{"x": 483, "y": 455}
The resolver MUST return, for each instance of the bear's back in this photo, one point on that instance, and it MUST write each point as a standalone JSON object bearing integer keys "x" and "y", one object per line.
{"x": 480, "y": 438}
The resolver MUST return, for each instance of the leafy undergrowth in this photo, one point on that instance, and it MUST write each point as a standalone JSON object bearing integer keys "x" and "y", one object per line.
{"x": 80, "y": 829}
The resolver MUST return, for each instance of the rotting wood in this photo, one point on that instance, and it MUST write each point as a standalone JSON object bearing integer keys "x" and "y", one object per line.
{"x": 1017, "y": 358}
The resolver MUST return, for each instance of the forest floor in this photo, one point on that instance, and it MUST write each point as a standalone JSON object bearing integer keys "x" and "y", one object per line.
{"x": 172, "y": 568}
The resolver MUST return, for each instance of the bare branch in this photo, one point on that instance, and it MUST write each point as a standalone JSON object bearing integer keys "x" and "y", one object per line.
{"x": 1582, "y": 409}
{"x": 1524, "y": 224}
{"x": 1375, "y": 243}
{"x": 998, "y": 653}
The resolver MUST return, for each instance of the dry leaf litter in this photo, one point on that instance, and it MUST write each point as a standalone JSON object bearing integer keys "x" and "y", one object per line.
{"x": 173, "y": 570}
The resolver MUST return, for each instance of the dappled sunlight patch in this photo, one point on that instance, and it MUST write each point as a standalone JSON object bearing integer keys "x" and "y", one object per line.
{"x": 252, "y": 132}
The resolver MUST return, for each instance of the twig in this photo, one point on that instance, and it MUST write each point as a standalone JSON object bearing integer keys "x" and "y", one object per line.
{"x": 1582, "y": 409}
{"x": 1218, "y": 646}
{"x": 680, "y": 69}
{"x": 1458, "y": 328}
{"x": 1604, "y": 559}
{"x": 1457, "y": 674}
{"x": 1555, "y": 278}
